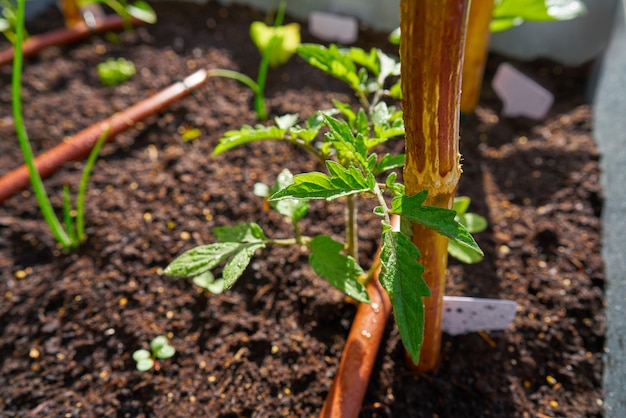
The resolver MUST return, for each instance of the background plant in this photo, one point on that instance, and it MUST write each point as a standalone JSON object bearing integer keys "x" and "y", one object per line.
{"x": 139, "y": 9}
{"x": 276, "y": 44}
{"x": 73, "y": 233}
{"x": 8, "y": 20}
{"x": 344, "y": 141}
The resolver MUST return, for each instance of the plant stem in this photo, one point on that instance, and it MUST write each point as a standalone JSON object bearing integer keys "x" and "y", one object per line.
{"x": 82, "y": 187}
{"x": 235, "y": 75}
{"x": 352, "y": 238}
{"x": 476, "y": 49}
{"x": 433, "y": 32}
{"x": 37, "y": 184}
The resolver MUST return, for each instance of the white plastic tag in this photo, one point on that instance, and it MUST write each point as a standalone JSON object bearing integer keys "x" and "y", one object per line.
{"x": 520, "y": 95}
{"x": 334, "y": 28}
{"x": 462, "y": 314}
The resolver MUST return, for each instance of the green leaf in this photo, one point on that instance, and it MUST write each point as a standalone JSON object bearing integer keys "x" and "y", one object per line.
{"x": 246, "y": 135}
{"x": 349, "y": 147}
{"x": 201, "y": 259}
{"x": 243, "y": 232}
{"x": 286, "y": 121}
{"x": 389, "y": 162}
{"x": 207, "y": 281}
{"x": 235, "y": 267}
{"x": 401, "y": 276}
{"x": 341, "y": 182}
{"x": 167, "y": 351}
{"x": 161, "y": 347}
{"x": 463, "y": 254}
{"x": 439, "y": 219}
{"x": 291, "y": 208}
{"x": 461, "y": 204}
{"x": 115, "y": 71}
{"x": 340, "y": 270}
{"x": 332, "y": 61}
{"x": 142, "y": 11}
{"x": 280, "y": 42}
{"x": 394, "y": 37}
{"x": 158, "y": 342}
{"x": 509, "y": 13}
{"x": 388, "y": 67}
{"x": 369, "y": 60}
{"x": 141, "y": 354}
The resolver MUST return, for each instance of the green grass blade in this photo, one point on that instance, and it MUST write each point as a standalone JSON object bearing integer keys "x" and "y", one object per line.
{"x": 36, "y": 182}
{"x": 84, "y": 180}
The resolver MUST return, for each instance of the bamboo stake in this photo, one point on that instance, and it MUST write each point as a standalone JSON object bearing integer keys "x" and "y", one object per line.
{"x": 431, "y": 52}
{"x": 476, "y": 50}
{"x": 71, "y": 13}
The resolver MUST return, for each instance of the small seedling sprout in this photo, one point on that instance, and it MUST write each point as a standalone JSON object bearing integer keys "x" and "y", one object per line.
{"x": 160, "y": 348}
{"x": 115, "y": 71}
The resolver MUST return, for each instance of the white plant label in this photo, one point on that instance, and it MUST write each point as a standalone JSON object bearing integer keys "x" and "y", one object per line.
{"x": 462, "y": 314}
{"x": 520, "y": 95}
{"x": 334, "y": 28}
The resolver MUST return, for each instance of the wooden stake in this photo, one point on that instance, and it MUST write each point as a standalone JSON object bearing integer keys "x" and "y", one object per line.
{"x": 476, "y": 51}
{"x": 431, "y": 53}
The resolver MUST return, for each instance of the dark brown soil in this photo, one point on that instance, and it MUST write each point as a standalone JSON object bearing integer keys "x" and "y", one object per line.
{"x": 271, "y": 345}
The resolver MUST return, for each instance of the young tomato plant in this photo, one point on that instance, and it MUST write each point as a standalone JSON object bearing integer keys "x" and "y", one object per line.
{"x": 352, "y": 169}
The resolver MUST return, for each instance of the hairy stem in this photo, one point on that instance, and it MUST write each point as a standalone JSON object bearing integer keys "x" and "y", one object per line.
{"x": 352, "y": 239}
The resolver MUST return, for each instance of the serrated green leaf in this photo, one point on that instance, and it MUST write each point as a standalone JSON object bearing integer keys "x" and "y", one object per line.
{"x": 368, "y": 60}
{"x": 340, "y": 270}
{"x": 389, "y": 162}
{"x": 438, "y": 219}
{"x": 243, "y": 232}
{"x": 235, "y": 267}
{"x": 349, "y": 147}
{"x": 341, "y": 182}
{"x": 401, "y": 277}
{"x": 201, "y": 259}
{"x": 290, "y": 208}
{"x": 361, "y": 124}
{"x": 345, "y": 109}
{"x": 463, "y": 254}
{"x": 246, "y": 135}
{"x": 332, "y": 61}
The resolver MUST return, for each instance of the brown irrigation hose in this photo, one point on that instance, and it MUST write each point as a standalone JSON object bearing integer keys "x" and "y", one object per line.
{"x": 345, "y": 398}
{"x": 79, "y": 145}
{"x": 64, "y": 36}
